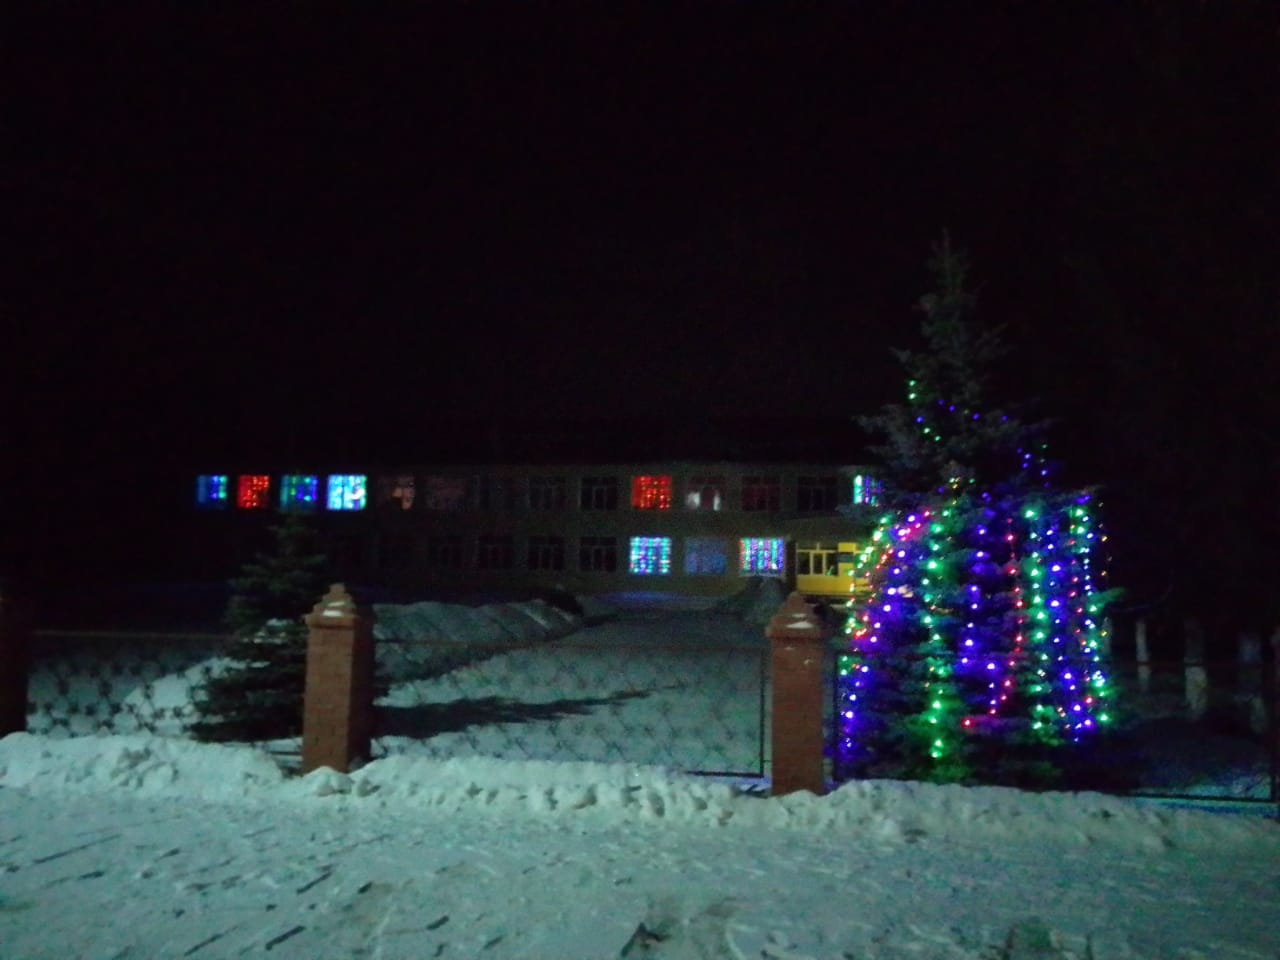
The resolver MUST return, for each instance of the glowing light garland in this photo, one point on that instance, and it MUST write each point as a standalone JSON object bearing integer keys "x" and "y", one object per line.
{"x": 253, "y": 492}
{"x": 651, "y": 493}
{"x": 650, "y": 555}
{"x": 983, "y": 619}
{"x": 213, "y": 490}
{"x": 765, "y": 555}
{"x": 989, "y": 614}
{"x": 866, "y": 490}
{"x": 347, "y": 491}
{"x": 299, "y": 492}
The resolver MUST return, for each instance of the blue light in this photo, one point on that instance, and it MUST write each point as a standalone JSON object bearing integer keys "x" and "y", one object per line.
{"x": 347, "y": 491}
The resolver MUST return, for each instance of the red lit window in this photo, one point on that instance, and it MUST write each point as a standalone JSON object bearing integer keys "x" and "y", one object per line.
{"x": 253, "y": 492}
{"x": 651, "y": 493}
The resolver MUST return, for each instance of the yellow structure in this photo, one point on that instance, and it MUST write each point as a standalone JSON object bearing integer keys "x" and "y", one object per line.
{"x": 825, "y": 570}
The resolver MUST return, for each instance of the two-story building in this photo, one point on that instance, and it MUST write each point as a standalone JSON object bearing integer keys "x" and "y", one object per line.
{"x": 693, "y": 527}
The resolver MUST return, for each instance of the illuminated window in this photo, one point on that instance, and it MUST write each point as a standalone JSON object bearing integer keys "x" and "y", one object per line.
{"x": 705, "y": 493}
{"x": 598, "y": 553}
{"x": 495, "y": 552}
{"x": 762, "y": 555}
{"x": 444, "y": 493}
{"x": 761, "y": 493}
{"x": 651, "y": 493}
{"x": 444, "y": 552}
{"x": 650, "y": 555}
{"x": 299, "y": 491}
{"x": 815, "y": 494}
{"x": 547, "y": 493}
{"x": 546, "y": 553}
{"x": 599, "y": 493}
{"x": 397, "y": 491}
{"x": 213, "y": 490}
{"x": 866, "y": 490}
{"x": 347, "y": 491}
{"x": 817, "y": 559}
{"x": 706, "y": 555}
{"x": 253, "y": 492}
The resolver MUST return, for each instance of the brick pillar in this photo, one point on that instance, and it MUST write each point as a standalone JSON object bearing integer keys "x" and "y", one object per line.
{"x": 798, "y": 644}
{"x": 337, "y": 714}
{"x": 15, "y": 646}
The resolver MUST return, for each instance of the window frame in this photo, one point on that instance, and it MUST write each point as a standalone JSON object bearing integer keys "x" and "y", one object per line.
{"x": 598, "y": 488}
{"x": 548, "y": 494}
{"x": 762, "y": 493}
{"x": 546, "y": 547}
{"x": 651, "y": 491}
{"x": 697, "y": 487}
{"x": 495, "y": 551}
{"x": 817, "y": 493}
{"x": 645, "y": 544}
{"x": 777, "y": 545}
{"x": 603, "y": 546}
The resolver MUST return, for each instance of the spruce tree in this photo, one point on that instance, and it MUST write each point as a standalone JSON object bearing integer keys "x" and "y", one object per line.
{"x": 260, "y": 696}
{"x": 976, "y": 652}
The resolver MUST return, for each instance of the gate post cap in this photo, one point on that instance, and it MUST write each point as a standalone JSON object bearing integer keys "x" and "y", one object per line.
{"x": 795, "y": 619}
{"x": 334, "y": 608}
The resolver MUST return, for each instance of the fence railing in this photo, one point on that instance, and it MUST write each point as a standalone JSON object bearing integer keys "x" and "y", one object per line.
{"x": 1178, "y": 729}
{"x": 1198, "y": 730}
{"x": 82, "y": 683}
{"x": 696, "y": 709}
{"x": 700, "y": 710}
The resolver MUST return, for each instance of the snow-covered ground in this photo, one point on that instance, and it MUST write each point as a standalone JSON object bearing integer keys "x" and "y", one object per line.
{"x": 140, "y": 846}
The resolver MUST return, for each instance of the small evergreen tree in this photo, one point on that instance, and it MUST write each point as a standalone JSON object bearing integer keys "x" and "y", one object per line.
{"x": 976, "y": 652}
{"x": 260, "y": 696}
{"x": 943, "y": 432}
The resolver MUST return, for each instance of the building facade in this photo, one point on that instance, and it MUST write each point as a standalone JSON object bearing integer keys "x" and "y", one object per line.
{"x": 693, "y": 527}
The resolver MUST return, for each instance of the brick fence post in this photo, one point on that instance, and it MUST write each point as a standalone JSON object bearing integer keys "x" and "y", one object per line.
{"x": 15, "y": 649}
{"x": 337, "y": 713}
{"x": 798, "y": 652}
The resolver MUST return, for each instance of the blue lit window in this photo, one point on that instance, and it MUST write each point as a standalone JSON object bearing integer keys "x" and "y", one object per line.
{"x": 213, "y": 490}
{"x": 762, "y": 555}
{"x": 650, "y": 555}
{"x": 347, "y": 491}
{"x": 866, "y": 490}
{"x": 706, "y": 555}
{"x": 299, "y": 492}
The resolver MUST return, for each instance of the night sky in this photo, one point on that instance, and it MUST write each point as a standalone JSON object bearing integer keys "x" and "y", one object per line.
{"x": 281, "y": 233}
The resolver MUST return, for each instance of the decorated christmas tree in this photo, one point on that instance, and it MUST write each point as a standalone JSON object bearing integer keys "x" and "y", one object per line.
{"x": 976, "y": 655}
{"x": 260, "y": 696}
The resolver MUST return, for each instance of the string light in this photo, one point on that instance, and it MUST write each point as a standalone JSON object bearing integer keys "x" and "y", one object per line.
{"x": 650, "y": 555}
{"x": 990, "y": 600}
{"x": 762, "y": 555}
{"x": 213, "y": 490}
{"x": 299, "y": 492}
{"x": 651, "y": 493}
{"x": 347, "y": 491}
{"x": 253, "y": 492}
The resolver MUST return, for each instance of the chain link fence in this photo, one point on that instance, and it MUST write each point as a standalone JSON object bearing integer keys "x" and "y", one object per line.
{"x": 82, "y": 683}
{"x": 1178, "y": 730}
{"x": 696, "y": 709}
{"x": 1188, "y": 730}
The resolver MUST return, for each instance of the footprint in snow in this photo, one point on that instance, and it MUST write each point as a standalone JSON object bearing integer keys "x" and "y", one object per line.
{"x": 668, "y": 932}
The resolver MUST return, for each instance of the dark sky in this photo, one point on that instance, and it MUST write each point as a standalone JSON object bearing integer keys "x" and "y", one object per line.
{"x": 250, "y": 228}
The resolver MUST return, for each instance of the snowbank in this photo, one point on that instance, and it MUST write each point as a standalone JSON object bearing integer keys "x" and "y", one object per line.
{"x": 876, "y": 811}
